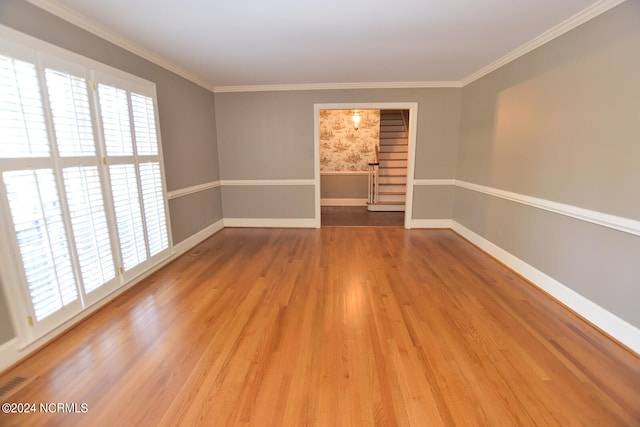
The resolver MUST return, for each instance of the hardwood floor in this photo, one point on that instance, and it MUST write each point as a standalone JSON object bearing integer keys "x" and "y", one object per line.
{"x": 359, "y": 216}
{"x": 333, "y": 327}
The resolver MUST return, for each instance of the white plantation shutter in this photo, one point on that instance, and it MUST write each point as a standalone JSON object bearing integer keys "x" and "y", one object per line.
{"x": 89, "y": 223}
{"x": 136, "y": 178}
{"x": 126, "y": 201}
{"x": 114, "y": 112}
{"x": 39, "y": 228}
{"x": 144, "y": 121}
{"x": 153, "y": 201}
{"x": 146, "y": 143}
{"x": 22, "y": 121}
{"x": 71, "y": 114}
{"x": 81, "y": 180}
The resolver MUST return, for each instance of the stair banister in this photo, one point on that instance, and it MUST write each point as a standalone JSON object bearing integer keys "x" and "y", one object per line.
{"x": 388, "y": 179}
{"x": 372, "y": 192}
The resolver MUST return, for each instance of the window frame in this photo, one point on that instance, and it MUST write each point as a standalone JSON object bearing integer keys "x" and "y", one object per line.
{"x": 45, "y": 55}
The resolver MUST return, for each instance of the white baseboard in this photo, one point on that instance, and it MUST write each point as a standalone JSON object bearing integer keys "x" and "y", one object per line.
{"x": 271, "y": 222}
{"x": 431, "y": 223}
{"x": 201, "y": 235}
{"x": 12, "y": 352}
{"x": 376, "y": 207}
{"x": 343, "y": 202}
{"x": 9, "y": 353}
{"x": 608, "y": 322}
{"x": 627, "y": 334}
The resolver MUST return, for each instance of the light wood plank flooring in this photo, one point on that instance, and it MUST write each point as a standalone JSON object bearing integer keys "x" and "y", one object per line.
{"x": 333, "y": 327}
{"x": 359, "y": 216}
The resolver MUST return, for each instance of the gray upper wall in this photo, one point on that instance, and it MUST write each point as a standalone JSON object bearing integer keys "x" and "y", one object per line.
{"x": 269, "y": 135}
{"x": 186, "y": 110}
{"x": 562, "y": 122}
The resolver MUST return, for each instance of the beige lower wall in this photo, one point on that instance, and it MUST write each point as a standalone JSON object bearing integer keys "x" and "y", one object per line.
{"x": 194, "y": 212}
{"x": 597, "y": 262}
{"x": 348, "y": 186}
{"x": 432, "y": 201}
{"x": 268, "y": 201}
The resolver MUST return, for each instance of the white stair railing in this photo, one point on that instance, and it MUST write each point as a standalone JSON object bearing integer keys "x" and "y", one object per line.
{"x": 372, "y": 193}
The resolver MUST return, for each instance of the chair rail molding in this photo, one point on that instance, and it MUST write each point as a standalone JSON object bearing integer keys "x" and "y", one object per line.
{"x": 174, "y": 194}
{"x": 257, "y": 182}
{"x": 614, "y": 222}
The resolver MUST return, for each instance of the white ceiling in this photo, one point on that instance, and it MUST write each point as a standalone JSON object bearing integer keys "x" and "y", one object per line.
{"x": 275, "y": 42}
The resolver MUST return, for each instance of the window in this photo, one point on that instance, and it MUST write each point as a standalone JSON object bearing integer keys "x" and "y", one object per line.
{"x": 81, "y": 180}
{"x": 41, "y": 237}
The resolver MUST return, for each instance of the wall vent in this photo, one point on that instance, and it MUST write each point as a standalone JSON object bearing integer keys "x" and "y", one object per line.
{"x": 197, "y": 252}
{"x": 11, "y": 385}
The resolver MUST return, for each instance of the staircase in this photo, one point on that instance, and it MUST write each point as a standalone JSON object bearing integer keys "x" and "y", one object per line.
{"x": 392, "y": 169}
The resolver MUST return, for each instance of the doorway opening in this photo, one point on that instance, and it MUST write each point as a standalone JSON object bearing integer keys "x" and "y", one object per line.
{"x": 364, "y": 155}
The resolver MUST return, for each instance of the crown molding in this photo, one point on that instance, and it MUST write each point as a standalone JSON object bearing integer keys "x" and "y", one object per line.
{"x": 337, "y": 86}
{"x": 555, "y": 32}
{"x": 85, "y": 23}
